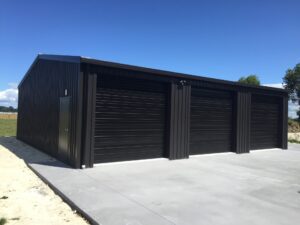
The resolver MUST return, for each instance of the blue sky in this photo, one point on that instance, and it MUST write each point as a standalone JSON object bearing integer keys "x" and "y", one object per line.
{"x": 217, "y": 38}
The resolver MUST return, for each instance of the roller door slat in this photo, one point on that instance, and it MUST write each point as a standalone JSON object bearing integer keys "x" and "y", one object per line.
{"x": 264, "y": 122}
{"x": 129, "y": 125}
{"x": 211, "y": 122}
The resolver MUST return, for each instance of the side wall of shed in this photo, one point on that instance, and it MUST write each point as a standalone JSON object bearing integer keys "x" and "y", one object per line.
{"x": 38, "y": 116}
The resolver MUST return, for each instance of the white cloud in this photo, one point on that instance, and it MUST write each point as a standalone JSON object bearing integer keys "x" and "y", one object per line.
{"x": 9, "y": 97}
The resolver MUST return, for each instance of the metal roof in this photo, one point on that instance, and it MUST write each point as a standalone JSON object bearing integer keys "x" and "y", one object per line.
{"x": 80, "y": 59}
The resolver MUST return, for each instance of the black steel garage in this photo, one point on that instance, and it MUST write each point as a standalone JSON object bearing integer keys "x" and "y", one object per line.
{"x": 85, "y": 111}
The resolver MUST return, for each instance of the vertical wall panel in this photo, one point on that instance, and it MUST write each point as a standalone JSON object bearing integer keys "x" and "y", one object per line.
{"x": 89, "y": 102}
{"x": 284, "y": 120}
{"x": 38, "y": 119}
{"x": 243, "y": 110}
{"x": 179, "y": 121}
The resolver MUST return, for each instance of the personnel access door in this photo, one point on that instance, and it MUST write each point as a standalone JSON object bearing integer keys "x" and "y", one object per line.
{"x": 64, "y": 129}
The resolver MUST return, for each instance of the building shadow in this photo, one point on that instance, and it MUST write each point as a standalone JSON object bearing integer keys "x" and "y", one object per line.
{"x": 29, "y": 154}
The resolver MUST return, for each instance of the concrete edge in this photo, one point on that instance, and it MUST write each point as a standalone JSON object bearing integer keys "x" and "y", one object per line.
{"x": 266, "y": 150}
{"x": 67, "y": 200}
{"x": 128, "y": 162}
{"x": 212, "y": 154}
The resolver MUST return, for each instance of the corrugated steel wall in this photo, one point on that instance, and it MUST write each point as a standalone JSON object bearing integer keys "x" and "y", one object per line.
{"x": 284, "y": 122}
{"x": 243, "y": 116}
{"x": 38, "y": 109}
{"x": 235, "y": 88}
{"x": 179, "y": 115}
{"x": 88, "y": 118}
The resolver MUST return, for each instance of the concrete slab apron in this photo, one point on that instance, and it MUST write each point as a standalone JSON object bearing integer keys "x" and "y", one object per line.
{"x": 101, "y": 203}
{"x": 97, "y": 202}
{"x": 262, "y": 187}
{"x": 254, "y": 189}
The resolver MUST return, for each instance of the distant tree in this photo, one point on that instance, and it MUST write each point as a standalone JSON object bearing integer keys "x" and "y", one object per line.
{"x": 251, "y": 79}
{"x": 291, "y": 83}
{"x": 7, "y": 109}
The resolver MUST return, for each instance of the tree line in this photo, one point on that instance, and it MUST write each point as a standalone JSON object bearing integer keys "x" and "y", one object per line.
{"x": 8, "y": 109}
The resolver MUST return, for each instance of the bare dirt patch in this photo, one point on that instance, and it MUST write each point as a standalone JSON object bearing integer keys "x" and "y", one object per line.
{"x": 25, "y": 199}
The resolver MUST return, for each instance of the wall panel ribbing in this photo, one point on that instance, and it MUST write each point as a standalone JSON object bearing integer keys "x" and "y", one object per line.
{"x": 284, "y": 120}
{"x": 179, "y": 121}
{"x": 243, "y": 116}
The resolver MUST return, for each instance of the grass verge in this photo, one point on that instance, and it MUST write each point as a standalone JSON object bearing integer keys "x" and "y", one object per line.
{"x": 295, "y": 141}
{"x": 8, "y": 127}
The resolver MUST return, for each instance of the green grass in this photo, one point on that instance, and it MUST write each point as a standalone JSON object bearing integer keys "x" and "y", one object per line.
{"x": 8, "y": 127}
{"x": 3, "y": 221}
{"x": 294, "y": 141}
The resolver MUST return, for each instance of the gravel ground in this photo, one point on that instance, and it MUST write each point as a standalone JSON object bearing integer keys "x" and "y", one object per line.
{"x": 25, "y": 199}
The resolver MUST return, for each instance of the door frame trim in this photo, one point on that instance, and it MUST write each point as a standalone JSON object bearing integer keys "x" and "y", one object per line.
{"x": 88, "y": 144}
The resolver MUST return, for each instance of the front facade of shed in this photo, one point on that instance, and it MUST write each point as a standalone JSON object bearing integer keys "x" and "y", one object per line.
{"x": 117, "y": 112}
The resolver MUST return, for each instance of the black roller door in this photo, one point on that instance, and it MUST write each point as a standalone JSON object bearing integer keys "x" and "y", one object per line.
{"x": 264, "y": 122}
{"x": 130, "y": 120}
{"x": 211, "y": 121}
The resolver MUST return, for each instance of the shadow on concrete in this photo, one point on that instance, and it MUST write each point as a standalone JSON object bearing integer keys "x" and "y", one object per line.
{"x": 29, "y": 154}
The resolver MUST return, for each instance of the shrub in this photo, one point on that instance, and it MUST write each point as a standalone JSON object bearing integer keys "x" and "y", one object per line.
{"x": 293, "y": 126}
{"x": 3, "y": 221}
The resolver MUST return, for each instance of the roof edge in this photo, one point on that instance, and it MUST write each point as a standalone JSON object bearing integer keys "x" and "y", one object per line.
{"x": 62, "y": 58}
{"x": 175, "y": 74}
